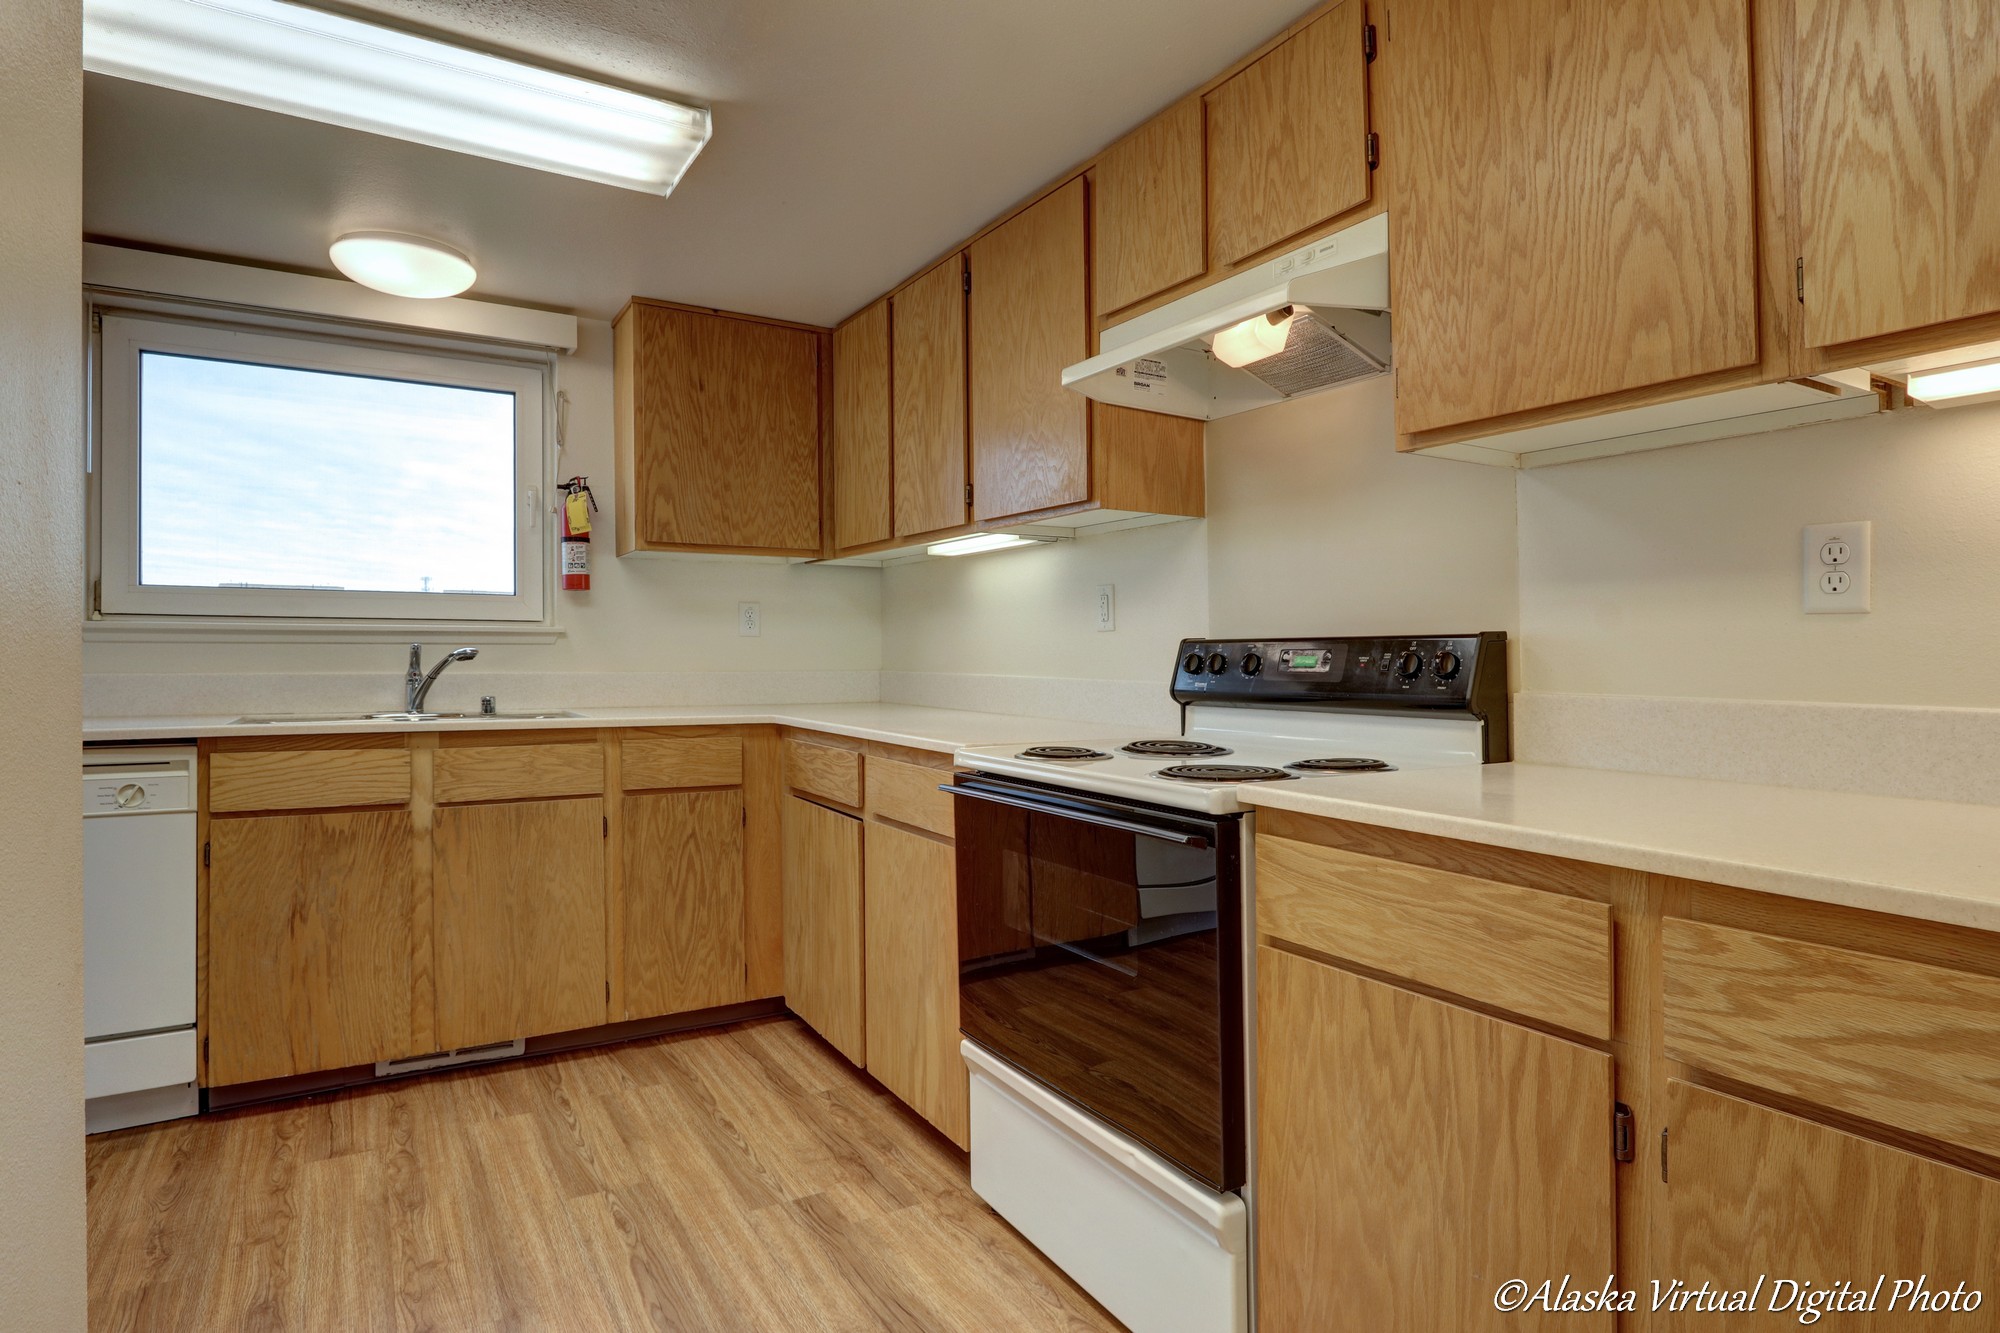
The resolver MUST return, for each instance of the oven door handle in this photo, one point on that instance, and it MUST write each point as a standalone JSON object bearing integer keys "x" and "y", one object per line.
{"x": 1196, "y": 840}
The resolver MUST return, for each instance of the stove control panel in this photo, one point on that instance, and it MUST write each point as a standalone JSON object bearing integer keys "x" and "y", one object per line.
{"x": 1456, "y": 672}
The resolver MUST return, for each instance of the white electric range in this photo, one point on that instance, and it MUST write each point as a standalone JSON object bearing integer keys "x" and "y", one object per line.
{"x": 1104, "y": 923}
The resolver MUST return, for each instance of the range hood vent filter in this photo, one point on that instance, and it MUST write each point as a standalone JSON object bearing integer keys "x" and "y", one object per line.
{"x": 1315, "y": 357}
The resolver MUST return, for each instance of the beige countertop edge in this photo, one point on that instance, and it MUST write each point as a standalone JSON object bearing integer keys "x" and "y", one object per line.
{"x": 909, "y": 725}
{"x": 1928, "y": 860}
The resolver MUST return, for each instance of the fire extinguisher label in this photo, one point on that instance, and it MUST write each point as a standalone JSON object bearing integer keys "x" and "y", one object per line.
{"x": 575, "y": 558}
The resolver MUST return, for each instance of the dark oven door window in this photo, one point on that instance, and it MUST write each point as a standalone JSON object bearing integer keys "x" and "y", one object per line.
{"x": 1100, "y": 953}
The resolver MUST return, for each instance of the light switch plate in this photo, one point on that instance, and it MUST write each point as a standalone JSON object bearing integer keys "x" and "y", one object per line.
{"x": 749, "y": 619}
{"x": 1835, "y": 565}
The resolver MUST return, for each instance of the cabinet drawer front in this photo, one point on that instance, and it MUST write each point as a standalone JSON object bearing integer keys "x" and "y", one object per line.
{"x": 908, "y": 794}
{"x": 1542, "y": 955}
{"x": 307, "y": 779}
{"x": 518, "y": 772}
{"x": 824, "y": 770}
{"x": 1901, "y": 1043}
{"x": 683, "y": 761}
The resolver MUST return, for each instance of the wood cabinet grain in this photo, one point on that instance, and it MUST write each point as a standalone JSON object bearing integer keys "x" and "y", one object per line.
{"x": 909, "y": 794}
{"x": 718, "y": 422}
{"x": 928, "y": 394}
{"x": 1287, "y": 138}
{"x": 1147, "y": 206}
{"x": 307, "y": 779}
{"x": 911, "y": 975}
{"x": 519, "y": 919}
{"x": 830, "y": 772}
{"x": 1413, "y": 1155}
{"x": 307, "y": 957}
{"x": 823, "y": 924}
{"x": 863, "y": 498}
{"x": 682, "y": 881}
{"x": 516, "y": 772}
{"x": 682, "y": 761}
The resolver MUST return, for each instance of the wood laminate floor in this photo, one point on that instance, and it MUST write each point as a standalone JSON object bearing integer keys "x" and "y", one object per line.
{"x": 734, "y": 1178}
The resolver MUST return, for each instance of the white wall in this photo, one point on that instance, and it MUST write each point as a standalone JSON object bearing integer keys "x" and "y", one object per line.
{"x": 41, "y": 544}
{"x": 643, "y": 614}
{"x": 1678, "y": 572}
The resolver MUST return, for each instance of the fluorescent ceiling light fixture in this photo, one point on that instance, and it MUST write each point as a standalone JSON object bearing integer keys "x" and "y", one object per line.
{"x": 1956, "y": 386}
{"x": 402, "y": 265}
{"x": 985, "y": 541}
{"x": 1254, "y": 339}
{"x": 302, "y": 62}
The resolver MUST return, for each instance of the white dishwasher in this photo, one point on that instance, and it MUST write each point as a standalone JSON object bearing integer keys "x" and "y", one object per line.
{"x": 138, "y": 936}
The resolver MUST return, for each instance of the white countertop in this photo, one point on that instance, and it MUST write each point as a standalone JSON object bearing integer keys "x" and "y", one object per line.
{"x": 908, "y": 725}
{"x": 1934, "y": 860}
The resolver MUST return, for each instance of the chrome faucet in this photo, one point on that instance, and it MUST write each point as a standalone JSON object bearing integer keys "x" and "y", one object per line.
{"x": 417, "y": 685}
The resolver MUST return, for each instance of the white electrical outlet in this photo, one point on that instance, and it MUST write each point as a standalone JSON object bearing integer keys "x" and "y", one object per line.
{"x": 1107, "y": 608}
{"x": 1835, "y": 566}
{"x": 749, "y": 619}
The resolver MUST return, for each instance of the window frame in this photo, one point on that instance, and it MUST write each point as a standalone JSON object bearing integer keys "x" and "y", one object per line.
{"x": 123, "y": 334}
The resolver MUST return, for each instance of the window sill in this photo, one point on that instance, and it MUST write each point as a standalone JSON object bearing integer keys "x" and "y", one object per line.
{"x": 199, "y": 629}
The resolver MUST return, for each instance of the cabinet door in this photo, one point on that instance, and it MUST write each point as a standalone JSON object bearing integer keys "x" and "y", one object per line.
{"x": 1146, "y": 195}
{"x": 912, "y": 975}
{"x": 308, "y": 963}
{"x": 1288, "y": 138}
{"x": 823, "y": 923}
{"x": 1574, "y": 213}
{"x": 683, "y": 891}
{"x": 1414, "y": 1155}
{"x": 1899, "y": 125}
{"x": 725, "y": 431}
{"x": 862, "y": 502}
{"x": 518, "y": 919}
{"x": 1753, "y": 1192}
{"x": 927, "y": 323}
{"x": 1030, "y": 318}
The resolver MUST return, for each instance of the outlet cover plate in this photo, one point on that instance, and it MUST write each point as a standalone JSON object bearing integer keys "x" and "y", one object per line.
{"x": 749, "y": 620}
{"x": 1107, "y": 608}
{"x": 1835, "y": 560}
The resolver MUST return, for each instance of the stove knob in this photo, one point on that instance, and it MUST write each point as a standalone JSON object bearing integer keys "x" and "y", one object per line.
{"x": 1410, "y": 665}
{"x": 1446, "y": 664}
{"x": 1252, "y": 664}
{"x": 1217, "y": 664}
{"x": 1192, "y": 664}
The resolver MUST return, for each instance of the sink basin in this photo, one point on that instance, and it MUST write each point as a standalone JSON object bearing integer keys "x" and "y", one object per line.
{"x": 293, "y": 719}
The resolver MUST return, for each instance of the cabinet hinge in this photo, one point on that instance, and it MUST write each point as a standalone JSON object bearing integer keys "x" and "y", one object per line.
{"x": 1663, "y": 1157}
{"x": 1621, "y": 1133}
{"x": 1799, "y": 274}
{"x": 965, "y": 279}
{"x": 204, "y": 1050}
{"x": 1374, "y": 150}
{"x": 968, "y": 495}
{"x": 607, "y": 990}
{"x": 1368, "y": 42}
{"x": 607, "y": 826}
{"x": 204, "y": 856}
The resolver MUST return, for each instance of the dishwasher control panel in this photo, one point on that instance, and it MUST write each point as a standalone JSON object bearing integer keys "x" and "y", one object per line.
{"x": 137, "y": 789}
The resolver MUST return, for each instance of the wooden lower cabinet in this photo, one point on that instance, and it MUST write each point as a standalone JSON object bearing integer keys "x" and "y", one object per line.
{"x": 683, "y": 890}
{"x": 1414, "y": 1155}
{"x": 518, "y": 919}
{"x": 308, "y": 944}
{"x": 912, "y": 975}
{"x": 823, "y": 924}
{"x": 1752, "y": 1192}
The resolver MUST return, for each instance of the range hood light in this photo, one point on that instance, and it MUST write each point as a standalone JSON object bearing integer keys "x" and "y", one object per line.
{"x": 1254, "y": 339}
{"x": 402, "y": 265}
{"x": 985, "y": 541}
{"x": 1956, "y": 386}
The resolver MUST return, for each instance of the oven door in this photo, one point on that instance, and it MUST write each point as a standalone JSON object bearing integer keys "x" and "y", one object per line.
{"x": 1100, "y": 953}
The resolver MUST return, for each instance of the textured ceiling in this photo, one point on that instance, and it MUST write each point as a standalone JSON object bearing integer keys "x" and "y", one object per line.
{"x": 853, "y": 141}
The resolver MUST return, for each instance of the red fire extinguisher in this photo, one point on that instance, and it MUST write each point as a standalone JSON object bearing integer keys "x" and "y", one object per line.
{"x": 576, "y": 508}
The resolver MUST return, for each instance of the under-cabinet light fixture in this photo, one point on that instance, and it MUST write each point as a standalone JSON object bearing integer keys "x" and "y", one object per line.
{"x": 1256, "y": 338}
{"x": 304, "y": 62}
{"x": 985, "y": 541}
{"x": 1956, "y": 386}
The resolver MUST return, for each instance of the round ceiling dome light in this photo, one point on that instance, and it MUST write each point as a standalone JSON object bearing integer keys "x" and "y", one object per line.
{"x": 402, "y": 265}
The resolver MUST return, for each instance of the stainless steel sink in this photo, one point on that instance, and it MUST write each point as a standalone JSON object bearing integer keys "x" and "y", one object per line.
{"x": 293, "y": 719}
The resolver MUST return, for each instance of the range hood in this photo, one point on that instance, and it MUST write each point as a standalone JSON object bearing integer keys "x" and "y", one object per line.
{"x": 1337, "y": 292}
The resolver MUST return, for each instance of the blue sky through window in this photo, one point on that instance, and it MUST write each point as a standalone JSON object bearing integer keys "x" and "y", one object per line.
{"x": 272, "y": 476}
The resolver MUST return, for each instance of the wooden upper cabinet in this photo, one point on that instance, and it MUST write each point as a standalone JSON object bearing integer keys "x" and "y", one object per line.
{"x": 863, "y": 506}
{"x": 928, "y": 420}
{"x": 1574, "y": 207}
{"x": 1288, "y": 138}
{"x": 1898, "y": 132}
{"x": 718, "y": 420}
{"x": 1146, "y": 191}
{"x": 1030, "y": 318}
